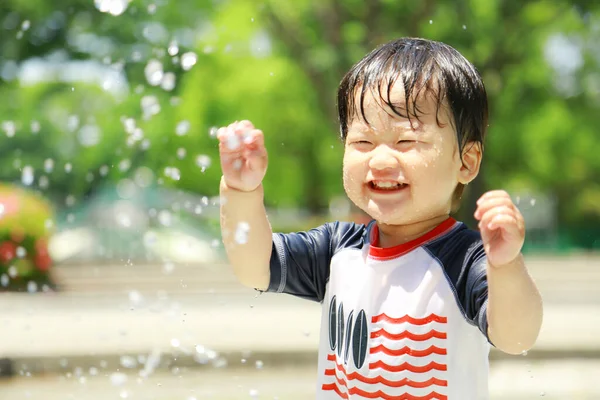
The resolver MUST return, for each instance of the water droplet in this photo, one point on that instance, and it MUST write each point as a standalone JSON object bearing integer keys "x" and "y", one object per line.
{"x": 68, "y": 168}
{"x": 165, "y": 218}
{"x": 128, "y": 362}
{"x": 182, "y": 128}
{"x": 464, "y": 27}
{"x": 48, "y": 165}
{"x": 21, "y": 252}
{"x": 118, "y": 378}
{"x": 168, "y": 267}
{"x": 253, "y": 393}
{"x": 32, "y": 286}
{"x": 26, "y": 25}
{"x": 213, "y": 132}
{"x": 241, "y": 233}
{"x": 233, "y": 141}
{"x": 430, "y": 21}
{"x": 135, "y": 298}
{"x": 173, "y": 48}
{"x": 103, "y": 170}
{"x": 27, "y": 175}
{"x": 203, "y": 161}
{"x": 524, "y": 353}
{"x": 188, "y": 60}
{"x": 9, "y": 128}
{"x": 181, "y": 153}
{"x": 150, "y": 106}
{"x": 124, "y": 165}
{"x": 532, "y": 202}
{"x": 154, "y": 72}
{"x": 173, "y": 173}
{"x": 168, "y": 81}
{"x": 4, "y": 280}
{"x": 35, "y": 126}
{"x": 93, "y": 371}
{"x": 113, "y": 7}
{"x": 89, "y": 135}
{"x": 259, "y": 364}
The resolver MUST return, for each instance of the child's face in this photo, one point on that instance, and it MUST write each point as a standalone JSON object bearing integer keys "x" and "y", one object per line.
{"x": 400, "y": 174}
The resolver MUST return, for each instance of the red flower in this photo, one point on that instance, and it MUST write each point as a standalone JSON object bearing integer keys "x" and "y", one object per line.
{"x": 8, "y": 251}
{"x": 42, "y": 259}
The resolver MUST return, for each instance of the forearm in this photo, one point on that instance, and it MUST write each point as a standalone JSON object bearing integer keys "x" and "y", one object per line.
{"x": 514, "y": 307}
{"x": 248, "y": 252}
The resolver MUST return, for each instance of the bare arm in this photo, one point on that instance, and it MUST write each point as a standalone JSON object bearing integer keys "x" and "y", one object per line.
{"x": 515, "y": 308}
{"x": 248, "y": 251}
{"x": 245, "y": 229}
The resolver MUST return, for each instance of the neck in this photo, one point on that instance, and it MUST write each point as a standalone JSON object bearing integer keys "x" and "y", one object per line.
{"x": 394, "y": 235}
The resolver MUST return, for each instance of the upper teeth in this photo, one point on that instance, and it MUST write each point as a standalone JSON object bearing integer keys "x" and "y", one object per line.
{"x": 386, "y": 184}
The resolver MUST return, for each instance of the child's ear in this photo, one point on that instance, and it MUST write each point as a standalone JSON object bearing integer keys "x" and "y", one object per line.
{"x": 471, "y": 161}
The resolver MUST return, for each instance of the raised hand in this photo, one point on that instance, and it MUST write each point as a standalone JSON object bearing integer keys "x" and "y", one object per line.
{"x": 502, "y": 227}
{"x": 243, "y": 156}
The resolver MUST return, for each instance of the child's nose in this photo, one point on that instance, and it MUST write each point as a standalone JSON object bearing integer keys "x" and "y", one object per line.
{"x": 383, "y": 158}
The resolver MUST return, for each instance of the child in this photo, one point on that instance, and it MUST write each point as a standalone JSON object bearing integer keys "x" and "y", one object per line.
{"x": 411, "y": 300}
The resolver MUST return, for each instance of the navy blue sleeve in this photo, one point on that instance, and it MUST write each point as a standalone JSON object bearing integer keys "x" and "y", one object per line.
{"x": 464, "y": 260}
{"x": 300, "y": 261}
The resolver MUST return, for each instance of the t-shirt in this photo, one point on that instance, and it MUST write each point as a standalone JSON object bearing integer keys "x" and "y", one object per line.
{"x": 407, "y": 322}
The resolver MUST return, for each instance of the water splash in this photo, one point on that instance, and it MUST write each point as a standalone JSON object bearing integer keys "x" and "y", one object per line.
{"x": 154, "y": 72}
{"x": 188, "y": 60}
{"x": 113, "y": 7}
{"x": 182, "y": 128}
{"x": 241, "y": 233}
{"x": 203, "y": 161}
{"x": 27, "y": 175}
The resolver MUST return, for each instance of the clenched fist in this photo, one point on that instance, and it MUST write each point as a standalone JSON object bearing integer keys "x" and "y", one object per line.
{"x": 243, "y": 156}
{"x": 502, "y": 227}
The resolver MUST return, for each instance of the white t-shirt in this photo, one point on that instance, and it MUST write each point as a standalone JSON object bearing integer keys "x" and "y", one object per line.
{"x": 407, "y": 322}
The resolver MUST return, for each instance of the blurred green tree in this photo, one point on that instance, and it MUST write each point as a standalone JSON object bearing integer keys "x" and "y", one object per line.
{"x": 165, "y": 74}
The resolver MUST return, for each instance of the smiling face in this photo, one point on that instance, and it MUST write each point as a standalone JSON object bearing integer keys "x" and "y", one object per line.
{"x": 401, "y": 173}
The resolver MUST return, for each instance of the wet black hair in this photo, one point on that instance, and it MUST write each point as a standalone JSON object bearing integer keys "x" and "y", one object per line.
{"x": 423, "y": 67}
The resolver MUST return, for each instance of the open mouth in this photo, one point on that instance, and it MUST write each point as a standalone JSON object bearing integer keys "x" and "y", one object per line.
{"x": 386, "y": 186}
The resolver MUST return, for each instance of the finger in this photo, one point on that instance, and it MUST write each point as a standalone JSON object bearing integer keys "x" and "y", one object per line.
{"x": 493, "y": 194}
{"x": 490, "y": 203}
{"x": 487, "y": 217}
{"x": 254, "y": 137}
{"x": 504, "y": 221}
{"x": 245, "y": 124}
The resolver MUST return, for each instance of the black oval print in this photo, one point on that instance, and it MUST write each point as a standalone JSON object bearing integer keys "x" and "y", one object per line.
{"x": 348, "y": 336}
{"x": 340, "y": 332}
{"x": 332, "y": 323}
{"x": 359, "y": 340}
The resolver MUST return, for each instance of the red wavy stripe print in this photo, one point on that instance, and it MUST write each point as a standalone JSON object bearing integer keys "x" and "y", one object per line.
{"x": 409, "y": 319}
{"x": 395, "y": 384}
{"x": 409, "y": 335}
{"x": 408, "y": 351}
{"x": 408, "y": 367}
{"x": 381, "y": 395}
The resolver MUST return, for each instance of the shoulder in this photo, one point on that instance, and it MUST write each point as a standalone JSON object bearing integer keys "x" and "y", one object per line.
{"x": 458, "y": 243}
{"x": 347, "y": 235}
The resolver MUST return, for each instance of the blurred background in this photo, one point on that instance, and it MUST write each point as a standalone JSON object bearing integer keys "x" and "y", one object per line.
{"x": 113, "y": 279}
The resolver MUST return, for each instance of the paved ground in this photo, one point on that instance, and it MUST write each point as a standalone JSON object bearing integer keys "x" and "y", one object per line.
{"x": 110, "y": 317}
{"x": 564, "y": 380}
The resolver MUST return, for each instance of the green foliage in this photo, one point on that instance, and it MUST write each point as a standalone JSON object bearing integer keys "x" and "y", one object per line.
{"x": 278, "y": 63}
